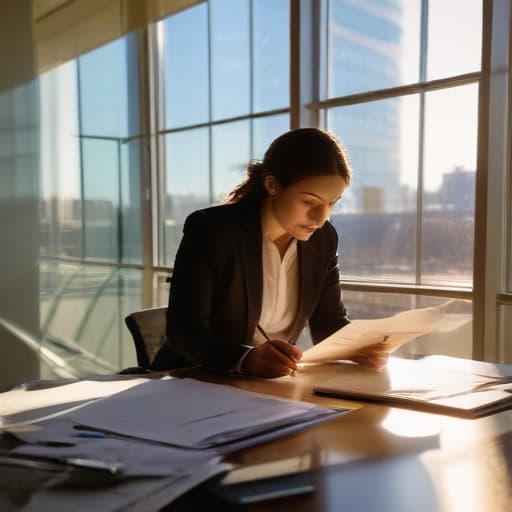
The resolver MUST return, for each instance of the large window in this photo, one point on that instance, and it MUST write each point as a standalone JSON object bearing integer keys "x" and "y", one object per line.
{"x": 137, "y": 136}
{"x": 409, "y": 214}
{"x": 225, "y": 99}
{"x": 90, "y": 208}
{"x": 90, "y": 166}
{"x": 399, "y": 83}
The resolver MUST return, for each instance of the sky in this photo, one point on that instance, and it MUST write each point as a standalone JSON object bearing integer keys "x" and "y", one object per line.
{"x": 454, "y": 48}
{"x": 450, "y": 140}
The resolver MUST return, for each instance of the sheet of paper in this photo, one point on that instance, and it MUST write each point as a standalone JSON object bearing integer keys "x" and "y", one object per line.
{"x": 150, "y": 475}
{"x": 394, "y": 331}
{"x": 20, "y": 400}
{"x": 194, "y": 414}
{"x": 91, "y": 491}
{"x": 137, "y": 457}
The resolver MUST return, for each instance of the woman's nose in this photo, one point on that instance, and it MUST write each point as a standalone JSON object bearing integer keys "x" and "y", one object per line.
{"x": 319, "y": 214}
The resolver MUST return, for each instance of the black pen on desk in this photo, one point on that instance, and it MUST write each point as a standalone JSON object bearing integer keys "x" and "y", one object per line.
{"x": 267, "y": 337}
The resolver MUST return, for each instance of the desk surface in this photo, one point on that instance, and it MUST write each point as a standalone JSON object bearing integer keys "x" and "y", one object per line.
{"x": 378, "y": 457}
{"x": 372, "y": 458}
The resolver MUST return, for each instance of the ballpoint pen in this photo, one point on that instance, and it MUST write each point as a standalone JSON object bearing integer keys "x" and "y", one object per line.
{"x": 56, "y": 463}
{"x": 267, "y": 338}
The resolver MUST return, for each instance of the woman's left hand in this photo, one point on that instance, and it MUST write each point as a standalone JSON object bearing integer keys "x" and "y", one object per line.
{"x": 374, "y": 356}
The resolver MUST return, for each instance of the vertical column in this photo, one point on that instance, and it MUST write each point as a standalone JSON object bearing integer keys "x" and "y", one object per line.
{"x": 19, "y": 198}
{"x": 304, "y": 62}
{"x": 492, "y": 182}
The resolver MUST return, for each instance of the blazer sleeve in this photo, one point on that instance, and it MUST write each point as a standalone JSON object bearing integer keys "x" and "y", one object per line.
{"x": 191, "y": 299}
{"x": 330, "y": 313}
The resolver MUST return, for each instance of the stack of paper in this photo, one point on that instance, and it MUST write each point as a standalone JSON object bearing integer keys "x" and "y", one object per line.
{"x": 432, "y": 383}
{"x": 163, "y": 437}
{"x": 193, "y": 414}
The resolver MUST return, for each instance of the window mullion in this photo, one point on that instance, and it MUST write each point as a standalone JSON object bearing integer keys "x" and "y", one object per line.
{"x": 421, "y": 141}
{"x": 210, "y": 100}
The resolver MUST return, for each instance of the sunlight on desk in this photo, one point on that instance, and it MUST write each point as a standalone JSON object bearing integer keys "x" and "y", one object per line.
{"x": 20, "y": 400}
{"x": 404, "y": 423}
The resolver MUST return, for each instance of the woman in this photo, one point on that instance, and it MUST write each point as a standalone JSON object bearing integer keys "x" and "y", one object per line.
{"x": 251, "y": 273}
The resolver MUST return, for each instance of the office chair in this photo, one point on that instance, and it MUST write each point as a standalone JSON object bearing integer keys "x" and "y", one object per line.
{"x": 147, "y": 328}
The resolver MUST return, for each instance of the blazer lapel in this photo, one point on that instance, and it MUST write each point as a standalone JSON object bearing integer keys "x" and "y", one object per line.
{"x": 310, "y": 279}
{"x": 250, "y": 254}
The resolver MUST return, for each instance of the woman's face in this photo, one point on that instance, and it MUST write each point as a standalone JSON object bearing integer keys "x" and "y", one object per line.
{"x": 302, "y": 208}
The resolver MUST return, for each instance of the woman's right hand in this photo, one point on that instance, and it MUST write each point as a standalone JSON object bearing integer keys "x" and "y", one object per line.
{"x": 275, "y": 358}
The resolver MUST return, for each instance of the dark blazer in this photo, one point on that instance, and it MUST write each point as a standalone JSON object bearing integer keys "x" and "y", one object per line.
{"x": 216, "y": 288}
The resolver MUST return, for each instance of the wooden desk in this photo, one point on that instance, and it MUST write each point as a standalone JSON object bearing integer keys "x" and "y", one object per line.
{"x": 377, "y": 457}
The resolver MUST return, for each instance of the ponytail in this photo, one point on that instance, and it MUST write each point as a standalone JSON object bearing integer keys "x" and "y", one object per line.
{"x": 252, "y": 188}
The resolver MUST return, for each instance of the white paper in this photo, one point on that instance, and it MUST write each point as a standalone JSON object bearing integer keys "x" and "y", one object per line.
{"x": 130, "y": 494}
{"x": 393, "y": 331}
{"x": 194, "y": 414}
{"x": 137, "y": 457}
{"x": 20, "y": 400}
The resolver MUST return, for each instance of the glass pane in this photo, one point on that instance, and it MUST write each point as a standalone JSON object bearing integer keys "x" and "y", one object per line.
{"x": 130, "y": 202}
{"x": 265, "y": 130}
{"x": 376, "y": 219}
{"x": 160, "y": 289}
{"x": 102, "y": 331}
{"x": 187, "y": 183}
{"x": 454, "y": 339}
{"x": 60, "y": 208}
{"x": 231, "y": 154}
{"x": 229, "y": 25}
{"x": 451, "y": 117}
{"x": 271, "y": 54}
{"x": 83, "y": 309}
{"x": 54, "y": 278}
{"x": 454, "y": 37}
{"x": 185, "y": 38}
{"x": 108, "y": 85}
{"x": 371, "y": 45}
{"x": 101, "y": 198}
{"x": 131, "y": 282}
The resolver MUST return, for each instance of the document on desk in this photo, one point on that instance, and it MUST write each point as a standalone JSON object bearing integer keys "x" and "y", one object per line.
{"x": 192, "y": 414}
{"x": 441, "y": 384}
{"x": 27, "y": 406}
{"x": 392, "y": 332}
{"x": 150, "y": 476}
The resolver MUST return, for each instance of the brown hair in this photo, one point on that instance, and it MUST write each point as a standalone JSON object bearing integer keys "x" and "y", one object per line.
{"x": 293, "y": 156}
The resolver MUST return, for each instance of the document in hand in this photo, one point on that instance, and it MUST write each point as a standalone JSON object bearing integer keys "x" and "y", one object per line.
{"x": 443, "y": 384}
{"x": 393, "y": 331}
{"x": 192, "y": 414}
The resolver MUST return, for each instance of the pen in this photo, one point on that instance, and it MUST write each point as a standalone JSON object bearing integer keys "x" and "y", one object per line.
{"x": 267, "y": 338}
{"x": 57, "y": 463}
{"x": 262, "y": 331}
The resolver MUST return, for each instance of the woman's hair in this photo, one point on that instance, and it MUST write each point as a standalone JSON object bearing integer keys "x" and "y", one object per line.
{"x": 293, "y": 156}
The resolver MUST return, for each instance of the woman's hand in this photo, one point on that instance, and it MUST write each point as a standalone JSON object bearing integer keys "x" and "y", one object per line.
{"x": 275, "y": 358}
{"x": 374, "y": 356}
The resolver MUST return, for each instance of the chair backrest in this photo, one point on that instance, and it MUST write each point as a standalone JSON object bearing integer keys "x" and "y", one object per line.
{"x": 147, "y": 327}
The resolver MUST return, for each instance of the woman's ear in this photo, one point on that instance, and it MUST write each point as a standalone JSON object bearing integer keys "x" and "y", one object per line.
{"x": 271, "y": 185}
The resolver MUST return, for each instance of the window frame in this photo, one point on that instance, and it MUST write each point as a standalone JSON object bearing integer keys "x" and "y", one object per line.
{"x": 490, "y": 250}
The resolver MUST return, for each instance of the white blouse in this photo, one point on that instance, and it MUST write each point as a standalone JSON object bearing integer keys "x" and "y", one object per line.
{"x": 280, "y": 298}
